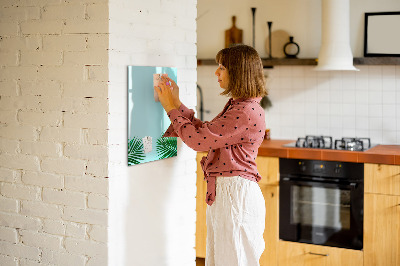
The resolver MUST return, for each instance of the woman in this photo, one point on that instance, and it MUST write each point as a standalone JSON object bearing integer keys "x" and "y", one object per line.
{"x": 236, "y": 211}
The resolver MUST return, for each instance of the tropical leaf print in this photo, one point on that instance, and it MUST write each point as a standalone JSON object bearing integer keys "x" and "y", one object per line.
{"x": 135, "y": 151}
{"x": 166, "y": 147}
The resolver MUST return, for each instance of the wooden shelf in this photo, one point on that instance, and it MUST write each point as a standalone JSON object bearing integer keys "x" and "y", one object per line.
{"x": 377, "y": 61}
{"x": 289, "y": 62}
{"x": 206, "y": 62}
{"x": 269, "y": 63}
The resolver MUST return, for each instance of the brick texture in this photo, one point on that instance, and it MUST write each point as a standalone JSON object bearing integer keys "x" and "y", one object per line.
{"x": 63, "y": 133}
{"x": 53, "y": 119}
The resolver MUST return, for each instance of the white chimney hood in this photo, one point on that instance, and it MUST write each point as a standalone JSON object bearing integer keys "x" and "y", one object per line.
{"x": 335, "y": 52}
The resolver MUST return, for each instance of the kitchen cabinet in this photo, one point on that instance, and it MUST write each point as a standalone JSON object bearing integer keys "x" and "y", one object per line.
{"x": 201, "y": 205}
{"x": 381, "y": 221}
{"x": 268, "y": 168}
{"x": 382, "y": 179}
{"x": 300, "y": 254}
{"x": 382, "y": 215}
{"x": 381, "y": 230}
{"x": 271, "y": 232}
{"x": 269, "y": 185}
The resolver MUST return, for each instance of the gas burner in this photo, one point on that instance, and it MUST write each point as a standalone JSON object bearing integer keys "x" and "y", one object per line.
{"x": 353, "y": 144}
{"x": 322, "y": 142}
{"x": 325, "y": 142}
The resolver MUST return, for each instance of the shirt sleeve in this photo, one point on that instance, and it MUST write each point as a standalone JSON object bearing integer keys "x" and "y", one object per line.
{"x": 185, "y": 112}
{"x": 232, "y": 127}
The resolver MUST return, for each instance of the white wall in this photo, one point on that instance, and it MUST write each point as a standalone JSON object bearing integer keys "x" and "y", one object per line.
{"x": 297, "y": 18}
{"x": 152, "y": 205}
{"x": 337, "y": 103}
{"x": 53, "y": 133}
{"x": 301, "y": 19}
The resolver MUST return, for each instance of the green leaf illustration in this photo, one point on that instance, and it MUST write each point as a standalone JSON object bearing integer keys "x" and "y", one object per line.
{"x": 135, "y": 151}
{"x": 166, "y": 147}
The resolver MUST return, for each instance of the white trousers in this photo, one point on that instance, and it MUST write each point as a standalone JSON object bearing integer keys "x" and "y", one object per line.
{"x": 235, "y": 223}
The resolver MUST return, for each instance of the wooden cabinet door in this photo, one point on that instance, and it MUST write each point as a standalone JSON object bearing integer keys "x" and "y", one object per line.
{"x": 268, "y": 168}
{"x": 299, "y": 254}
{"x": 382, "y": 179}
{"x": 201, "y": 205}
{"x": 381, "y": 230}
{"x": 271, "y": 232}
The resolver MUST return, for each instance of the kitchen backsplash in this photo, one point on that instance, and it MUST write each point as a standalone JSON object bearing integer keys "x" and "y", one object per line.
{"x": 365, "y": 103}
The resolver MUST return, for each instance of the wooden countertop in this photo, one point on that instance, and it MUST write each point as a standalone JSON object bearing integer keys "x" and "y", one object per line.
{"x": 380, "y": 154}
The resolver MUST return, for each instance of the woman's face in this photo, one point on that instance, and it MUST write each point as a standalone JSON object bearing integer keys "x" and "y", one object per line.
{"x": 223, "y": 76}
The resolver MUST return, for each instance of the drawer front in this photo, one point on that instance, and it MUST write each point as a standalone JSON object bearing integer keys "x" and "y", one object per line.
{"x": 299, "y": 254}
{"x": 382, "y": 179}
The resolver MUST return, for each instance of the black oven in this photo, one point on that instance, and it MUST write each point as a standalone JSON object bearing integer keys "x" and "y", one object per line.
{"x": 321, "y": 202}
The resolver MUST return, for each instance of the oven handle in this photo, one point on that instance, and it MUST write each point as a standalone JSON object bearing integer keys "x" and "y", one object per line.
{"x": 310, "y": 182}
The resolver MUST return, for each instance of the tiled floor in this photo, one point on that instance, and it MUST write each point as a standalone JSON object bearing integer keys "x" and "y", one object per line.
{"x": 200, "y": 262}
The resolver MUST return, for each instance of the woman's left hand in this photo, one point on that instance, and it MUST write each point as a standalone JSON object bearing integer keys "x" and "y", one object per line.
{"x": 165, "y": 96}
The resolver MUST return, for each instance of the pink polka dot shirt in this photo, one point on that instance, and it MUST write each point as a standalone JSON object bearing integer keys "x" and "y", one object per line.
{"x": 232, "y": 139}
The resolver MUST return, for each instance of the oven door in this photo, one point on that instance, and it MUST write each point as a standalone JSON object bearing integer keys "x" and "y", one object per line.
{"x": 321, "y": 212}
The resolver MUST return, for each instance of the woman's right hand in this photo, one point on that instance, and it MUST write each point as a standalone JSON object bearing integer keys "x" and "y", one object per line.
{"x": 175, "y": 91}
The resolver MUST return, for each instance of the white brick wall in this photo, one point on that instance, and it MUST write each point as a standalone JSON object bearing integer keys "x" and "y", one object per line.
{"x": 53, "y": 132}
{"x": 152, "y": 205}
{"x": 60, "y": 137}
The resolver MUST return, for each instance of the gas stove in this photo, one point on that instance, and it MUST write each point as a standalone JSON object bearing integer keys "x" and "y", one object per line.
{"x": 326, "y": 142}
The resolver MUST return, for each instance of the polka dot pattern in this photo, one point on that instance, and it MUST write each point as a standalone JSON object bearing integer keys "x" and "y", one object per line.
{"x": 232, "y": 139}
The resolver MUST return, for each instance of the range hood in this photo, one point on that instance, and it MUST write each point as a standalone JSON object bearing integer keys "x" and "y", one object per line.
{"x": 335, "y": 52}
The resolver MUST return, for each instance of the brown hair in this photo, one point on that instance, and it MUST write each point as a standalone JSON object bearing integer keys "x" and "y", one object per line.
{"x": 245, "y": 69}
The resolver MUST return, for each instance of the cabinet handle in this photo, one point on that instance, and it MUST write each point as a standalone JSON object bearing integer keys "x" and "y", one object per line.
{"x": 318, "y": 254}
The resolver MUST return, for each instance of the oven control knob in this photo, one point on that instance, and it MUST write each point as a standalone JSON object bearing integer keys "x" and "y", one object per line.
{"x": 302, "y": 166}
{"x": 338, "y": 168}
